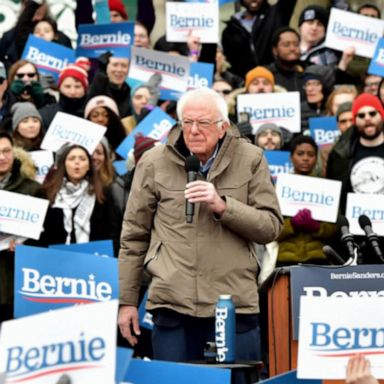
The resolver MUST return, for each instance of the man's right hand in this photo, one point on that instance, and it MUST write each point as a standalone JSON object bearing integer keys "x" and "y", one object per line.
{"x": 129, "y": 321}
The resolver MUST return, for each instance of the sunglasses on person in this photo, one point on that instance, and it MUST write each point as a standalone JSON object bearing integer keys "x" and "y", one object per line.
{"x": 29, "y": 74}
{"x": 224, "y": 91}
{"x": 361, "y": 115}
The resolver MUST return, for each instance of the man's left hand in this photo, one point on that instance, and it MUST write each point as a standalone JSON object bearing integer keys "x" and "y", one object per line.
{"x": 205, "y": 192}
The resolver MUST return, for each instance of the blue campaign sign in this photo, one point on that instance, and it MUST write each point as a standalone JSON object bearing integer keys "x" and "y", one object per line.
{"x": 149, "y": 372}
{"x": 376, "y": 67}
{"x": 99, "y": 247}
{"x": 120, "y": 167}
{"x": 289, "y": 378}
{"x": 278, "y": 162}
{"x": 123, "y": 359}
{"x": 47, "y": 279}
{"x": 354, "y": 281}
{"x": 145, "y": 318}
{"x": 49, "y": 58}
{"x": 96, "y": 39}
{"x": 324, "y": 129}
{"x": 156, "y": 125}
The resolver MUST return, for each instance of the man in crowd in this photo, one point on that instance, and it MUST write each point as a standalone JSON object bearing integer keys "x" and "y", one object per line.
{"x": 269, "y": 137}
{"x": 191, "y": 264}
{"x": 357, "y": 159}
{"x": 259, "y": 80}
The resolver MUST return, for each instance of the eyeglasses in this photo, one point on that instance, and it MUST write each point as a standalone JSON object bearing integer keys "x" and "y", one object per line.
{"x": 224, "y": 91}
{"x": 202, "y": 124}
{"x": 6, "y": 152}
{"x": 29, "y": 74}
{"x": 361, "y": 115}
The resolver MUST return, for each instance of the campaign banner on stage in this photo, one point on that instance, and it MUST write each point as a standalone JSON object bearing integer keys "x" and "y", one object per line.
{"x": 320, "y": 196}
{"x": 376, "y": 67}
{"x": 282, "y": 109}
{"x": 49, "y": 58}
{"x": 200, "y": 19}
{"x": 48, "y": 278}
{"x": 324, "y": 129}
{"x": 156, "y": 125}
{"x": 371, "y": 205}
{"x": 79, "y": 342}
{"x": 95, "y": 39}
{"x": 349, "y": 29}
{"x": 22, "y": 215}
{"x": 349, "y": 281}
{"x": 278, "y": 162}
{"x": 152, "y": 371}
{"x": 43, "y": 161}
{"x": 334, "y": 329}
{"x": 289, "y": 378}
{"x": 174, "y": 71}
{"x": 66, "y": 128}
{"x": 98, "y": 248}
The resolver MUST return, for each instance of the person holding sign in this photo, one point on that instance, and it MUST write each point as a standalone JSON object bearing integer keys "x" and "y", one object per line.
{"x": 303, "y": 238}
{"x": 359, "y": 371}
{"x": 191, "y": 264}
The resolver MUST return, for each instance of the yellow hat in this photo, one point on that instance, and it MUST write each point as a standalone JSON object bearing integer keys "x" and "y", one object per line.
{"x": 259, "y": 72}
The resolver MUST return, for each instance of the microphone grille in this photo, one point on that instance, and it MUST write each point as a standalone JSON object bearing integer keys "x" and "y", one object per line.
{"x": 192, "y": 164}
{"x": 364, "y": 221}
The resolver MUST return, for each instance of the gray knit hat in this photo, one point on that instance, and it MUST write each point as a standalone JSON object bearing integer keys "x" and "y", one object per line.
{"x": 22, "y": 110}
{"x": 269, "y": 126}
{"x": 344, "y": 107}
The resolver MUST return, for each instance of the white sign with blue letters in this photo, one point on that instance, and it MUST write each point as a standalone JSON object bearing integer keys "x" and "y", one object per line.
{"x": 376, "y": 67}
{"x": 320, "y": 196}
{"x": 43, "y": 160}
{"x": 22, "y": 215}
{"x": 371, "y": 205}
{"x": 200, "y": 19}
{"x": 283, "y": 109}
{"x": 79, "y": 341}
{"x": 348, "y": 29}
{"x": 332, "y": 329}
{"x": 66, "y": 128}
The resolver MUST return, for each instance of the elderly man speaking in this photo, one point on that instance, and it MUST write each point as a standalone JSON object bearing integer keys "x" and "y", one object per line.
{"x": 192, "y": 264}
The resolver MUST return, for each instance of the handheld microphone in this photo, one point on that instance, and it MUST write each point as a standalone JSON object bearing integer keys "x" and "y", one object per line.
{"x": 192, "y": 166}
{"x": 346, "y": 236}
{"x": 366, "y": 225}
{"x": 333, "y": 255}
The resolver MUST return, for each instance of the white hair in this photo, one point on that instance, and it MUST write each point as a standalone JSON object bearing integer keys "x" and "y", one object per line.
{"x": 200, "y": 94}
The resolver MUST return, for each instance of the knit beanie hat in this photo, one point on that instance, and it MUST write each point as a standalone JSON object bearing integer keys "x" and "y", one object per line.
{"x": 118, "y": 6}
{"x": 101, "y": 101}
{"x": 76, "y": 71}
{"x": 22, "y": 110}
{"x": 343, "y": 107}
{"x": 272, "y": 127}
{"x": 314, "y": 12}
{"x": 259, "y": 72}
{"x": 323, "y": 73}
{"x": 366, "y": 100}
{"x": 142, "y": 144}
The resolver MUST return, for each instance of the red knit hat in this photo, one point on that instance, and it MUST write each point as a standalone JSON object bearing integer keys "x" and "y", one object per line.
{"x": 75, "y": 71}
{"x": 118, "y": 6}
{"x": 366, "y": 100}
{"x": 142, "y": 144}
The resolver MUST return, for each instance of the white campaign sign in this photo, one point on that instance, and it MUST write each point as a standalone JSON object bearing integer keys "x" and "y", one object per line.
{"x": 371, "y": 205}
{"x": 22, "y": 215}
{"x": 334, "y": 328}
{"x": 348, "y": 29}
{"x": 173, "y": 69}
{"x": 321, "y": 196}
{"x": 283, "y": 109}
{"x": 79, "y": 341}
{"x": 66, "y": 128}
{"x": 200, "y": 19}
{"x": 43, "y": 160}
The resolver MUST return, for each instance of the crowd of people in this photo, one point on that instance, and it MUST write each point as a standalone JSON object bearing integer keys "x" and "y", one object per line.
{"x": 187, "y": 266}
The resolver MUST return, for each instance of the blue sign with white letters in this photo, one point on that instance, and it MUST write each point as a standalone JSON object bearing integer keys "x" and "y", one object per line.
{"x": 376, "y": 67}
{"x": 49, "y": 58}
{"x": 324, "y": 129}
{"x": 96, "y": 39}
{"x": 99, "y": 248}
{"x": 289, "y": 378}
{"x": 47, "y": 279}
{"x": 145, "y": 318}
{"x": 156, "y": 125}
{"x": 278, "y": 162}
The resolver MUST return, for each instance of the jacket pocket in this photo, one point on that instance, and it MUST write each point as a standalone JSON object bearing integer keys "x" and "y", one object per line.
{"x": 235, "y": 186}
{"x": 152, "y": 254}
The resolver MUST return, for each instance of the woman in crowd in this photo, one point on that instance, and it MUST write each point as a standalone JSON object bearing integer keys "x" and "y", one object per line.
{"x": 340, "y": 95}
{"x": 102, "y": 162}
{"x": 80, "y": 208}
{"x": 104, "y": 111}
{"x": 303, "y": 237}
{"x": 27, "y": 126}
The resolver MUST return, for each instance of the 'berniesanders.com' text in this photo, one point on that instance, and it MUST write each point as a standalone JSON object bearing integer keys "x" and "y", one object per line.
{"x": 356, "y": 275}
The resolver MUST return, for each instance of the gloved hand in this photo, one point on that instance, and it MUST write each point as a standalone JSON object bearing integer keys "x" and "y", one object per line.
{"x": 153, "y": 87}
{"x": 103, "y": 61}
{"x": 304, "y": 222}
{"x": 36, "y": 90}
{"x": 245, "y": 128}
{"x": 17, "y": 87}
